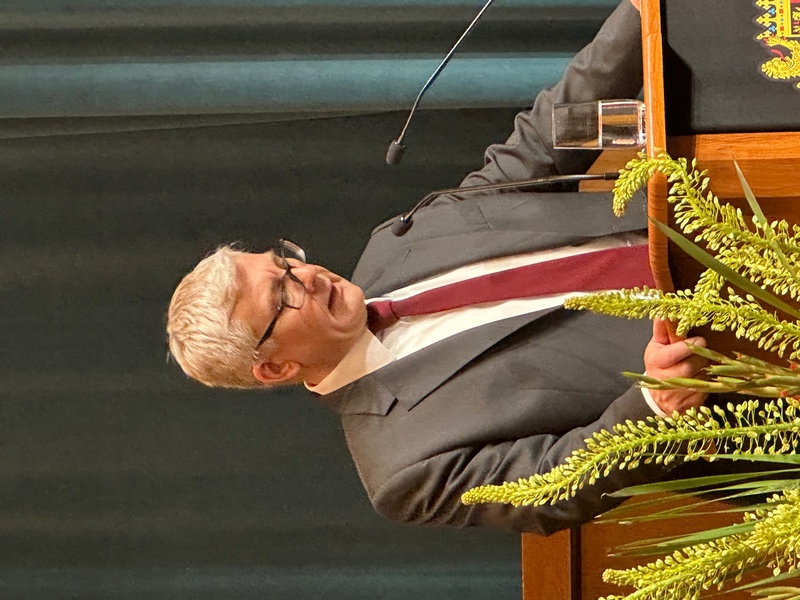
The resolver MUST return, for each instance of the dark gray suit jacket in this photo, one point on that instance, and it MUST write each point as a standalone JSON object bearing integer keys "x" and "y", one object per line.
{"x": 513, "y": 398}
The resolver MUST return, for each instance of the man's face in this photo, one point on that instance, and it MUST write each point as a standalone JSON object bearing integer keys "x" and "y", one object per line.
{"x": 316, "y": 336}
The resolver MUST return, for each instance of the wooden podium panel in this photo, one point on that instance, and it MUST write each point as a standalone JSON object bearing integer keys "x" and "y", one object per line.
{"x": 569, "y": 564}
{"x": 771, "y": 164}
{"x": 551, "y": 566}
{"x": 769, "y": 160}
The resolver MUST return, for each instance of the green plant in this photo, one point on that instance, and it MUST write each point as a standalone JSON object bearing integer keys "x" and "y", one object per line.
{"x": 762, "y": 260}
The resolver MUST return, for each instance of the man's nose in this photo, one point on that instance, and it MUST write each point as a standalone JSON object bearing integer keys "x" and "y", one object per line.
{"x": 308, "y": 275}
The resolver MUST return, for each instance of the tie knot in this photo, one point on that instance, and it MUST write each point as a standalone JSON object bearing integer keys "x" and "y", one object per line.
{"x": 380, "y": 316}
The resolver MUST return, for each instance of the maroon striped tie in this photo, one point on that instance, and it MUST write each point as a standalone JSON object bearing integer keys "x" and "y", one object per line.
{"x": 611, "y": 269}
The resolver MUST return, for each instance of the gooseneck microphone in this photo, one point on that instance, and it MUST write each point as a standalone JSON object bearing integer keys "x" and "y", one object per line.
{"x": 397, "y": 148}
{"x": 404, "y": 222}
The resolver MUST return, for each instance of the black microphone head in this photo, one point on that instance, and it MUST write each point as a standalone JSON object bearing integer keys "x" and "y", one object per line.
{"x": 401, "y": 226}
{"x": 395, "y": 153}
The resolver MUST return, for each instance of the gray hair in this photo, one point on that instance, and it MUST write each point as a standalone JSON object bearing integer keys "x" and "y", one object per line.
{"x": 205, "y": 339}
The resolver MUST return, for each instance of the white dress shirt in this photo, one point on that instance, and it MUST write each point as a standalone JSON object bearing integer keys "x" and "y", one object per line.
{"x": 414, "y": 333}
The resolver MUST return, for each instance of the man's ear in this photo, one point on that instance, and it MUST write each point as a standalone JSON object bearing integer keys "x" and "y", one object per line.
{"x": 274, "y": 373}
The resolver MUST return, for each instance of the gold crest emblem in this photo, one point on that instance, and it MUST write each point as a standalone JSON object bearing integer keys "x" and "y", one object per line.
{"x": 781, "y": 35}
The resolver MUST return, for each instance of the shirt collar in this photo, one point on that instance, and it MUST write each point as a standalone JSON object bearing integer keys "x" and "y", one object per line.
{"x": 366, "y": 355}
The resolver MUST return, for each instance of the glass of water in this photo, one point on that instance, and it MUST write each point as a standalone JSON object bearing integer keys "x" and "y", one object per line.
{"x": 602, "y": 124}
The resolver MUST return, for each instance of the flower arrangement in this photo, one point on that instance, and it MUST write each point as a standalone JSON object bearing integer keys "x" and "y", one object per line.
{"x": 748, "y": 287}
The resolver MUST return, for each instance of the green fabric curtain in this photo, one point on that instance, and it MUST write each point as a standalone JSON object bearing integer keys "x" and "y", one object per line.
{"x": 297, "y": 85}
{"x": 169, "y": 63}
{"x": 135, "y": 136}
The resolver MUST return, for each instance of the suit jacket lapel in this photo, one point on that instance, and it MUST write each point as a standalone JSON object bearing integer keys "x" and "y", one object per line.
{"x": 454, "y": 234}
{"x": 459, "y": 233}
{"x": 407, "y": 381}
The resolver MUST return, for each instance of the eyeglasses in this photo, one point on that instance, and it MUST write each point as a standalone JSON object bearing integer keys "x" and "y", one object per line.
{"x": 292, "y": 290}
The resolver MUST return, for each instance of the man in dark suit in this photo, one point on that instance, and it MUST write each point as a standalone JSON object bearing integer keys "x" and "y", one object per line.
{"x": 436, "y": 404}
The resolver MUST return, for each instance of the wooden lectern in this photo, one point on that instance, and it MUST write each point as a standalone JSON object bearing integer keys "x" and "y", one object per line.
{"x": 686, "y": 121}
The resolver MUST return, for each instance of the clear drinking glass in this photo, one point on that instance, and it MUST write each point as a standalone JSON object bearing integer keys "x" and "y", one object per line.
{"x": 601, "y": 124}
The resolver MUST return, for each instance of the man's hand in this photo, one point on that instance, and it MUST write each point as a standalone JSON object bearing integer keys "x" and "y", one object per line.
{"x": 637, "y": 4}
{"x": 664, "y": 360}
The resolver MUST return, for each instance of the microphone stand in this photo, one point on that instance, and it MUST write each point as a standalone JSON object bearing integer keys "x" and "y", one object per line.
{"x": 397, "y": 148}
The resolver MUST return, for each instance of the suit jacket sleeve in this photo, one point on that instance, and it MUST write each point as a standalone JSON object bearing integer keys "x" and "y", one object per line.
{"x": 520, "y": 408}
{"x": 609, "y": 67}
{"x": 430, "y": 491}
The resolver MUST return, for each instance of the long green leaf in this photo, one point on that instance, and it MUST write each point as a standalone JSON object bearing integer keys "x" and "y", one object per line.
{"x": 782, "y": 596}
{"x": 685, "y": 539}
{"x": 630, "y": 513}
{"x": 622, "y": 512}
{"x": 668, "y": 545}
{"x": 769, "y": 580}
{"x": 765, "y": 225}
{"x": 751, "y": 199}
{"x": 687, "y": 503}
{"x": 690, "y": 512}
{"x": 760, "y": 487}
{"x": 776, "y": 594}
{"x": 694, "y": 482}
{"x": 725, "y": 271}
{"x": 790, "y": 459}
{"x": 687, "y": 510}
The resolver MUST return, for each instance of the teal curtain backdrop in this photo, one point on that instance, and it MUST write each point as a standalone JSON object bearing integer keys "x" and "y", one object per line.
{"x": 135, "y": 136}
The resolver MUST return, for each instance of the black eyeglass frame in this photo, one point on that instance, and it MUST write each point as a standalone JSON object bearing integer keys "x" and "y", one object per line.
{"x": 298, "y": 254}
